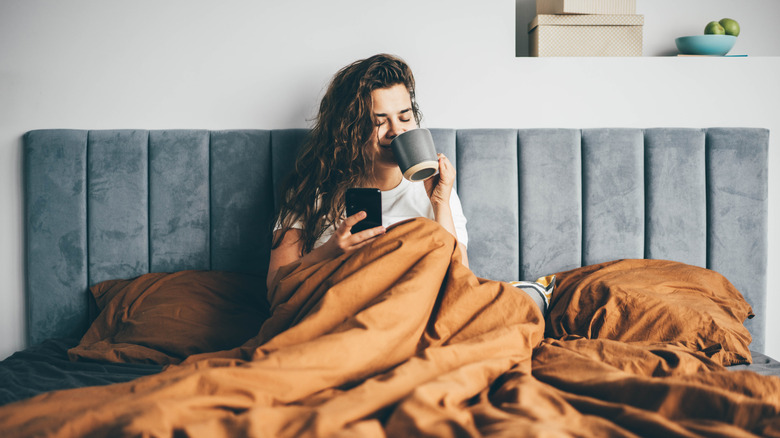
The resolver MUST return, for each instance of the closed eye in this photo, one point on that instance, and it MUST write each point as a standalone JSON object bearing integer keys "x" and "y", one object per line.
{"x": 382, "y": 117}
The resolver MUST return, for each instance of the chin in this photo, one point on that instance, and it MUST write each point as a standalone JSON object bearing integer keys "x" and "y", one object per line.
{"x": 386, "y": 156}
{"x": 389, "y": 163}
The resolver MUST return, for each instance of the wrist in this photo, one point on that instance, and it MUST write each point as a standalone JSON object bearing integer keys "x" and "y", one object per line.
{"x": 440, "y": 201}
{"x": 441, "y": 208}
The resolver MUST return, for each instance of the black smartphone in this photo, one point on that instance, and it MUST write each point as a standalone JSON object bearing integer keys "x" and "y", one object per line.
{"x": 368, "y": 200}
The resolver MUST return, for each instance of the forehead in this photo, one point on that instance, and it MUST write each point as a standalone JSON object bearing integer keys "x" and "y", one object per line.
{"x": 390, "y": 100}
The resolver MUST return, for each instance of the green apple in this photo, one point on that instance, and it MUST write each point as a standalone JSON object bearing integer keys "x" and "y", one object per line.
{"x": 714, "y": 28}
{"x": 730, "y": 26}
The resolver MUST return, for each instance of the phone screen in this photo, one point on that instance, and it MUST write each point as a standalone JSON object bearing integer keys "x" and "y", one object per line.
{"x": 368, "y": 200}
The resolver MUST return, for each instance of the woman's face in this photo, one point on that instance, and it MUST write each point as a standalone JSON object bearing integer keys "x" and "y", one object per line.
{"x": 392, "y": 110}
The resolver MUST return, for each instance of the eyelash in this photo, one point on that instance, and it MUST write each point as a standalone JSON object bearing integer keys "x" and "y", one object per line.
{"x": 402, "y": 120}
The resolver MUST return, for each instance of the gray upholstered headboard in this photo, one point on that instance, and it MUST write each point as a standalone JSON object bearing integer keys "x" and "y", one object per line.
{"x": 119, "y": 203}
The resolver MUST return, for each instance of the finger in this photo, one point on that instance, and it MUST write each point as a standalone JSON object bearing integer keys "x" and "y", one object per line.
{"x": 446, "y": 169}
{"x": 369, "y": 233}
{"x": 432, "y": 182}
{"x": 367, "y": 236}
{"x": 444, "y": 164}
{"x": 444, "y": 160}
{"x": 350, "y": 222}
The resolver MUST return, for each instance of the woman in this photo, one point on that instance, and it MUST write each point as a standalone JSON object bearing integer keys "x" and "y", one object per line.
{"x": 367, "y": 105}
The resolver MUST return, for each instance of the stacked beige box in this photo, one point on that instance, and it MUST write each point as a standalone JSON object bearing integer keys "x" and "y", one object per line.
{"x": 586, "y": 28}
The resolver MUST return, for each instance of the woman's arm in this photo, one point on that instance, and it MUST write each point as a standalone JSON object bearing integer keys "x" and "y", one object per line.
{"x": 342, "y": 241}
{"x": 439, "y": 189}
{"x": 442, "y": 214}
{"x": 288, "y": 251}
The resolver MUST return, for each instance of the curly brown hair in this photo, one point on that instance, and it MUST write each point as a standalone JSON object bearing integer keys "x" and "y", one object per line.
{"x": 334, "y": 157}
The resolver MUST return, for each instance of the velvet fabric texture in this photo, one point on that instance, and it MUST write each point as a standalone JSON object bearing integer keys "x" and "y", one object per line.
{"x": 653, "y": 302}
{"x": 105, "y": 204}
{"x": 162, "y": 318}
{"x": 399, "y": 339}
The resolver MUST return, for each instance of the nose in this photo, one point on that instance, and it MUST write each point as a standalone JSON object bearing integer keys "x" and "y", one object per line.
{"x": 395, "y": 129}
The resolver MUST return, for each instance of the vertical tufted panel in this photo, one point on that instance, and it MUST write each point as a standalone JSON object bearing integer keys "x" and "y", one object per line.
{"x": 613, "y": 204}
{"x": 241, "y": 200}
{"x": 285, "y": 144}
{"x": 550, "y": 201}
{"x": 117, "y": 200}
{"x": 676, "y": 206}
{"x": 487, "y": 176}
{"x": 179, "y": 200}
{"x": 115, "y": 204}
{"x": 55, "y": 170}
{"x": 737, "y": 198}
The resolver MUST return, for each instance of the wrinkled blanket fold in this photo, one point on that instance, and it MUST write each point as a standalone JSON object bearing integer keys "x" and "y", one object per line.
{"x": 400, "y": 339}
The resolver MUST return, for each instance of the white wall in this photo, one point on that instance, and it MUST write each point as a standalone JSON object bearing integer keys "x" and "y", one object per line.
{"x": 93, "y": 64}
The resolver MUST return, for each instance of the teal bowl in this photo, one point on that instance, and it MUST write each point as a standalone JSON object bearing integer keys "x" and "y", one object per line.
{"x": 717, "y": 45}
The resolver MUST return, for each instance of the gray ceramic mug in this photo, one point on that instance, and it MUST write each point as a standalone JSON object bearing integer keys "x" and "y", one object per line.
{"x": 416, "y": 154}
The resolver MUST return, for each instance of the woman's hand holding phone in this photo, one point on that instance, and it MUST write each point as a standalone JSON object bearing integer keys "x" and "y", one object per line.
{"x": 345, "y": 239}
{"x": 363, "y": 223}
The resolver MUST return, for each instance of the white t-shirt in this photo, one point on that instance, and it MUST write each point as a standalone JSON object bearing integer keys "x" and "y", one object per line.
{"x": 409, "y": 200}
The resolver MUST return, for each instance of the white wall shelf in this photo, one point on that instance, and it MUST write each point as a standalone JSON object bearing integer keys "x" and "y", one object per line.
{"x": 666, "y": 20}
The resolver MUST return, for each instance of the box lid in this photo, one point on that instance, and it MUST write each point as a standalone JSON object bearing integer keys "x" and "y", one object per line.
{"x": 586, "y": 20}
{"x": 585, "y": 7}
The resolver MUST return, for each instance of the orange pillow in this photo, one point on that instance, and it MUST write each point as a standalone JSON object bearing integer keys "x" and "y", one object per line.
{"x": 653, "y": 302}
{"x": 162, "y": 318}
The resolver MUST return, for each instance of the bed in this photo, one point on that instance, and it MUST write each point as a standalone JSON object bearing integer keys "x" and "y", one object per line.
{"x": 148, "y": 315}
